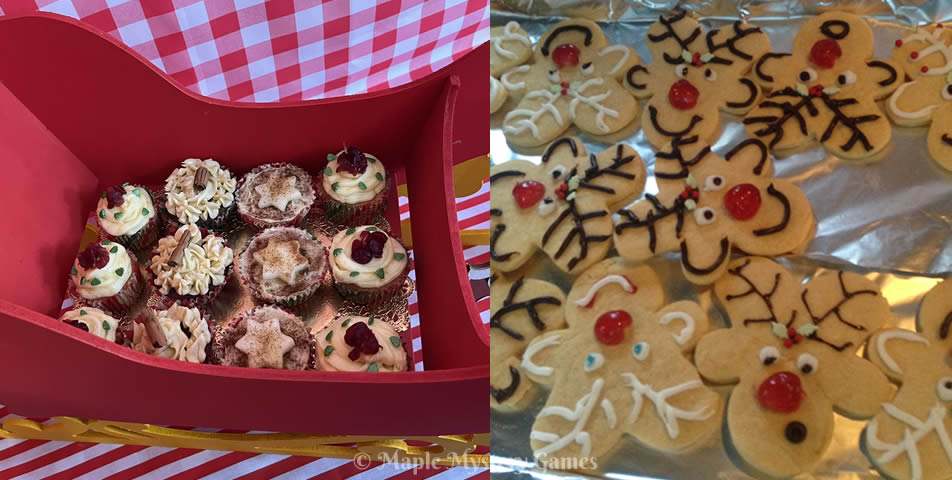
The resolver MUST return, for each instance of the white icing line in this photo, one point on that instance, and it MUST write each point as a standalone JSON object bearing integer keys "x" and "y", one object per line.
{"x": 594, "y": 102}
{"x": 605, "y": 281}
{"x": 615, "y": 48}
{"x": 493, "y": 88}
{"x": 510, "y": 33}
{"x": 889, "y": 335}
{"x": 583, "y": 410}
{"x": 669, "y": 414}
{"x": 609, "y": 412}
{"x": 687, "y": 332}
{"x": 893, "y": 104}
{"x": 910, "y": 439}
{"x": 528, "y": 123}
{"x": 533, "y": 349}
{"x": 509, "y": 84}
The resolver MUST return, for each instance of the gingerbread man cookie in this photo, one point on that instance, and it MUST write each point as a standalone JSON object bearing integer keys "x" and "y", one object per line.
{"x": 562, "y": 205}
{"x": 926, "y": 57}
{"x": 826, "y": 90}
{"x": 706, "y": 205}
{"x": 693, "y": 76}
{"x": 520, "y": 311}
{"x": 791, "y": 349}
{"x": 620, "y": 368}
{"x": 511, "y": 47}
{"x": 573, "y": 80}
{"x": 910, "y": 436}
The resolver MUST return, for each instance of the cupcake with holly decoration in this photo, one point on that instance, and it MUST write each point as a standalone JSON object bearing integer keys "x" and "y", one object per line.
{"x": 192, "y": 265}
{"x": 275, "y": 195}
{"x": 355, "y": 186}
{"x": 96, "y": 322}
{"x": 104, "y": 275}
{"x": 200, "y": 191}
{"x": 179, "y": 333}
{"x": 127, "y": 215}
{"x": 368, "y": 265}
{"x": 360, "y": 344}
{"x": 283, "y": 265}
{"x": 267, "y": 337}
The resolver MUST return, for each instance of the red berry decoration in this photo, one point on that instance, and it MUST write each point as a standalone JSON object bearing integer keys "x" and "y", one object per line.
{"x": 360, "y": 253}
{"x": 898, "y": 43}
{"x": 742, "y": 201}
{"x": 94, "y": 256}
{"x": 565, "y": 55}
{"x": 114, "y": 196}
{"x": 362, "y": 338}
{"x": 914, "y": 55}
{"x": 683, "y": 95}
{"x": 825, "y": 53}
{"x": 528, "y": 193}
{"x": 610, "y": 327}
{"x": 781, "y": 392}
{"x": 375, "y": 243}
{"x": 352, "y": 161}
{"x": 924, "y": 69}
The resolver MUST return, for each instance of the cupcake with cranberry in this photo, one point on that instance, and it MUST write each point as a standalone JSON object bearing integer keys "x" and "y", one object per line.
{"x": 179, "y": 333}
{"x": 267, "y": 337}
{"x": 283, "y": 265}
{"x": 275, "y": 195}
{"x": 104, "y": 275}
{"x": 191, "y": 265}
{"x": 200, "y": 191}
{"x": 127, "y": 215}
{"x": 96, "y": 322}
{"x": 355, "y": 186}
{"x": 368, "y": 264}
{"x": 360, "y": 344}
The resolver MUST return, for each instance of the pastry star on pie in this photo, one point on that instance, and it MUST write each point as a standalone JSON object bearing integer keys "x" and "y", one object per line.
{"x": 281, "y": 260}
{"x": 265, "y": 344}
{"x": 278, "y": 192}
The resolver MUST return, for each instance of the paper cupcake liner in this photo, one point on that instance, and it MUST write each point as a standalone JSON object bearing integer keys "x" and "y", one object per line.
{"x": 129, "y": 296}
{"x": 286, "y": 301}
{"x": 261, "y": 224}
{"x": 354, "y": 215}
{"x": 145, "y": 238}
{"x": 200, "y": 301}
{"x": 366, "y": 296}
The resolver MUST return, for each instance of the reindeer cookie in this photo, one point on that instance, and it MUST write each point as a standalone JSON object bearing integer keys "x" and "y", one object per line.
{"x": 910, "y": 436}
{"x": 706, "y": 205}
{"x": 520, "y": 311}
{"x": 826, "y": 90}
{"x": 563, "y": 205}
{"x": 573, "y": 80}
{"x": 694, "y": 75}
{"x": 791, "y": 349}
{"x": 926, "y": 57}
{"x": 620, "y": 368}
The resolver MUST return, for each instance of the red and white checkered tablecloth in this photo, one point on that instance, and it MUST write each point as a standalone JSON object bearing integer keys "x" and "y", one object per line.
{"x": 266, "y": 51}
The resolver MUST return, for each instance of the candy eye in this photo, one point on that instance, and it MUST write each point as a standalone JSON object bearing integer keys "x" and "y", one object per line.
{"x": 769, "y": 355}
{"x": 943, "y": 388}
{"x": 846, "y": 78}
{"x": 947, "y": 92}
{"x": 588, "y": 68}
{"x": 704, "y": 215}
{"x": 681, "y": 71}
{"x": 553, "y": 75}
{"x": 808, "y": 75}
{"x": 807, "y": 363}
{"x": 640, "y": 350}
{"x": 714, "y": 183}
{"x": 593, "y": 362}
{"x": 557, "y": 172}
{"x": 710, "y": 75}
{"x": 546, "y": 206}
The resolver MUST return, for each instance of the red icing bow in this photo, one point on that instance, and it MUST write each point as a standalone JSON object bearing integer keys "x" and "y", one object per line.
{"x": 562, "y": 191}
{"x": 690, "y": 192}
{"x": 816, "y": 91}
{"x": 696, "y": 59}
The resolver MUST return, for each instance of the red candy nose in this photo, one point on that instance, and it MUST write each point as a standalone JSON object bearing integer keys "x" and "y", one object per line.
{"x": 528, "y": 193}
{"x": 781, "y": 392}
{"x": 565, "y": 55}
{"x": 742, "y": 201}
{"x": 683, "y": 95}
{"x": 824, "y": 53}
{"x": 610, "y": 327}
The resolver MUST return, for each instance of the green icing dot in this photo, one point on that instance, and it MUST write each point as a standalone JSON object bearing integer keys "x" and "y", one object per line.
{"x": 328, "y": 350}
{"x": 106, "y": 242}
{"x": 338, "y": 251}
{"x": 399, "y": 256}
{"x": 335, "y": 186}
{"x": 379, "y": 273}
{"x": 362, "y": 185}
{"x": 105, "y": 325}
{"x": 114, "y": 249}
{"x": 354, "y": 274}
{"x": 138, "y": 192}
{"x": 329, "y": 336}
{"x": 82, "y": 280}
{"x": 117, "y": 215}
{"x": 83, "y": 312}
{"x": 370, "y": 321}
{"x": 345, "y": 323}
{"x": 102, "y": 214}
{"x": 145, "y": 211}
{"x": 373, "y": 367}
{"x": 73, "y": 271}
{"x": 331, "y": 157}
{"x": 120, "y": 271}
{"x": 379, "y": 176}
{"x": 371, "y": 229}
{"x": 328, "y": 171}
{"x": 371, "y": 159}
{"x": 103, "y": 194}
{"x": 95, "y": 282}
{"x": 350, "y": 231}
{"x": 125, "y": 184}
{"x": 395, "y": 341}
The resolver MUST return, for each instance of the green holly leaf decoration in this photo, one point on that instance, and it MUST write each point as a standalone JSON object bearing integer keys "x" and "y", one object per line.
{"x": 329, "y": 336}
{"x": 328, "y": 171}
{"x": 331, "y": 157}
{"x": 379, "y": 176}
{"x": 395, "y": 341}
{"x": 370, "y": 320}
{"x": 354, "y": 274}
{"x": 114, "y": 249}
{"x": 686, "y": 56}
{"x": 126, "y": 184}
{"x": 103, "y": 194}
{"x": 102, "y": 214}
{"x": 379, "y": 273}
{"x": 137, "y": 192}
{"x": 117, "y": 215}
{"x": 371, "y": 229}
{"x": 335, "y": 186}
{"x": 82, "y": 280}
{"x": 145, "y": 212}
{"x": 399, "y": 256}
{"x": 373, "y": 367}
{"x": 73, "y": 271}
{"x": 105, "y": 325}
{"x": 374, "y": 160}
{"x": 95, "y": 282}
{"x": 120, "y": 271}
{"x": 345, "y": 323}
{"x": 362, "y": 185}
{"x": 778, "y": 330}
{"x": 350, "y": 231}
{"x": 328, "y": 350}
{"x": 338, "y": 251}
{"x": 106, "y": 242}
{"x": 807, "y": 329}
{"x": 83, "y": 312}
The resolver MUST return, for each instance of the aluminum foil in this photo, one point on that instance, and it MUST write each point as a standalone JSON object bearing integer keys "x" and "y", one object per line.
{"x": 890, "y": 220}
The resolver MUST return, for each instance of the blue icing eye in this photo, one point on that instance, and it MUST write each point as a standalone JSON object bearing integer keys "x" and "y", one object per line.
{"x": 593, "y": 361}
{"x": 640, "y": 350}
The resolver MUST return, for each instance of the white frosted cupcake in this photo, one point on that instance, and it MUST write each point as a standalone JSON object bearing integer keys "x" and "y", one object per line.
{"x": 355, "y": 186}
{"x": 368, "y": 264}
{"x": 194, "y": 271}
{"x": 200, "y": 191}
{"x": 94, "y": 321}
{"x": 360, "y": 344}
{"x": 105, "y": 275}
{"x": 184, "y": 334}
{"x": 127, "y": 215}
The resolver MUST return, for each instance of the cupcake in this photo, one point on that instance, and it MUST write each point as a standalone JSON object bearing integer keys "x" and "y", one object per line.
{"x": 179, "y": 333}
{"x": 200, "y": 191}
{"x": 104, "y": 275}
{"x": 191, "y": 265}
{"x": 355, "y": 187}
{"x": 127, "y": 215}
{"x": 283, "y": 265}
{"x": 94, "y": 321}
{"x": 368, "y": 264}
{"x": 275, "y": 195}
{"x": 267, "y": 337}
{"x": 360, "y": 344}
